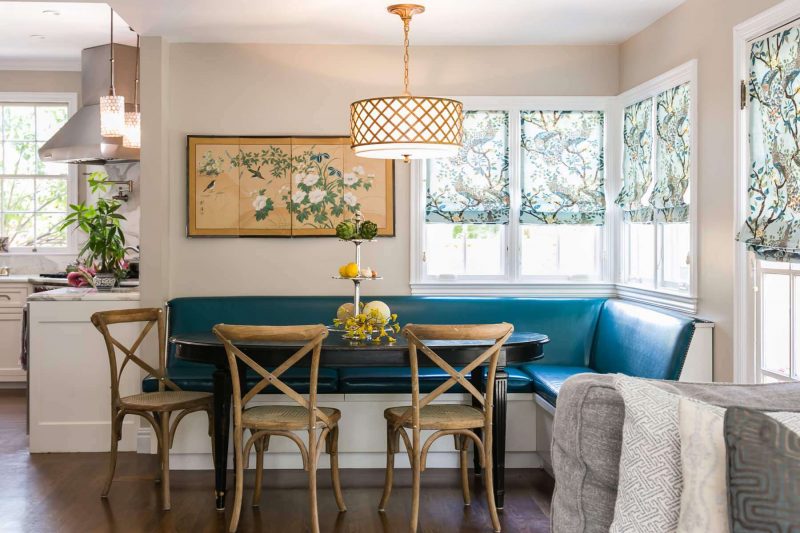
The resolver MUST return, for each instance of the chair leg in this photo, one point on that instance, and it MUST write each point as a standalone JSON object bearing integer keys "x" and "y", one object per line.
{"x": 164, "y": 422}
{"x": 416, "y": 469}
{"x": 312, "y": 480}
{"x": 116, "y": 435}
{"x": 332, "y": 443}
{"x": 239, "y": 462}
{"x": 391, "y": 448}
{"x": 260, "y": 445}
{"x": 157, "y": 418}
{"x": 461, "y": 440}
{"x": 489, "y": 486}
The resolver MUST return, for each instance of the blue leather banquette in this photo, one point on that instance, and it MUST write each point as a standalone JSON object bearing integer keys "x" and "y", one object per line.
{"x": 586, "y": 335}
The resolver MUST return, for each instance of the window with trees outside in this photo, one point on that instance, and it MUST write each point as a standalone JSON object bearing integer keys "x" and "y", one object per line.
{"x": 524, "y": 199}
{"x": 34, "y": 195}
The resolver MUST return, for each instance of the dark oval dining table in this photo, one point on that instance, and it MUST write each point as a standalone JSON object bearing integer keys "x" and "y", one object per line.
{"x": 521, "y": 347}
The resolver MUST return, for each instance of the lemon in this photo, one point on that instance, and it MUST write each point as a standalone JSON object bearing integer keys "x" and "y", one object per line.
{"x": 342, "y": 271}
{"x": 351, "y": 270}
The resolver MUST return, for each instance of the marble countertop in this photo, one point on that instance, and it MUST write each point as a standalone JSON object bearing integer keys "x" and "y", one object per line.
{"x": 33, "y": 278}
{"x": 82, "y": 294}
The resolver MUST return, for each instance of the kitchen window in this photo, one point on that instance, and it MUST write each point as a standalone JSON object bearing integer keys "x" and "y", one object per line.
{"x": 34, "y": 195}
{"x": 522, "y": 203}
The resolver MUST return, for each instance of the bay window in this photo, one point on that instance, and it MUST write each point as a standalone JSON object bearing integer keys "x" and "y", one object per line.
{"x": 524, "y": 209}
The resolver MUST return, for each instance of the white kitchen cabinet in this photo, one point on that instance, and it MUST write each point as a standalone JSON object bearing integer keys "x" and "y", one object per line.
{"x": 12, "y": 302}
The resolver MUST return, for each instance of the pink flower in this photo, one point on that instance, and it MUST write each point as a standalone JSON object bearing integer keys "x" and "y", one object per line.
{"x": 81, "y": 277}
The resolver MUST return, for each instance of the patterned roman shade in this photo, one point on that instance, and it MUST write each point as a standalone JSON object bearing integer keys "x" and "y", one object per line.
{"x": 772, "y": 227}
{"x": 473, "y": 186}
{"x": 563, "y": 174}
{"x": 637, "y": 167}
{"x": 669, "y": 196}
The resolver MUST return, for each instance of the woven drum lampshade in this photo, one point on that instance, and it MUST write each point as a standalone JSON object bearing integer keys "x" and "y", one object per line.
{"x": 406, "y": 127}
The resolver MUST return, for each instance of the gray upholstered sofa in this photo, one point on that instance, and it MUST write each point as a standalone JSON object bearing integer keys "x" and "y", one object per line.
{"x": 587, "y": 439}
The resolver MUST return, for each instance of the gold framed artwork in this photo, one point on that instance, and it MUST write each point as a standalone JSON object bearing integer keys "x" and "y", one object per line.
{"x": 283, "y": 187}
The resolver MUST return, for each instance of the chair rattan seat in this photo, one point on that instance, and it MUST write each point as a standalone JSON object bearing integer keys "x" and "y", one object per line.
{"x": 440, "y": 416}
{"x": 166, "y": 400}
{"x": 284, "y": 417}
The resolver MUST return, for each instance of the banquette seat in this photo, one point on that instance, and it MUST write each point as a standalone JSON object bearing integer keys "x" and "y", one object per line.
{"x": 594, "y": 335}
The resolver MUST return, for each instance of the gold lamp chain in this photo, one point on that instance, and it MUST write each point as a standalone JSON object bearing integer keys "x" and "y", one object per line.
{"x": 406, "y": 25}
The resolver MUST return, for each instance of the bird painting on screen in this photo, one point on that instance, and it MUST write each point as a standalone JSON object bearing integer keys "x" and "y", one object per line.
{"x": 210, "y": 186}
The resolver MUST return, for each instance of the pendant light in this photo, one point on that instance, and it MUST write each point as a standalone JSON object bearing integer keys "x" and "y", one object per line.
{"x": 406, "y": 127}
{"x": 112, "y": 107}
{"x": 133, "y": 120}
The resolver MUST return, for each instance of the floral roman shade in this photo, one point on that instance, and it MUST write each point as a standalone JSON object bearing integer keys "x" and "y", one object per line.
{"x": 669, "y": 196}
{"x": 563, "y": 171}
{"x": 473, "y": 186}
{"x": 637, "y": 168}
{"x": 656, "y": 159}
{"x": 772, "y": 227}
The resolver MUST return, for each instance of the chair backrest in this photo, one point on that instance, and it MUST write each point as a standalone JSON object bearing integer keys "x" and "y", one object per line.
{"x": 418, "y": 333}
{"x": 312, "y": 335}
{"x": 149, "y": 317}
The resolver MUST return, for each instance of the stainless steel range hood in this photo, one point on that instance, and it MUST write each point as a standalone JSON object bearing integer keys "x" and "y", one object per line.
{"x": 79, "y": 140}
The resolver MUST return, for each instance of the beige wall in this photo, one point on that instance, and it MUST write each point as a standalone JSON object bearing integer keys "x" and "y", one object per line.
{"x": 703, "y": 29}
{"x": 39, "y": 81}
{"x": 262, "y": 89}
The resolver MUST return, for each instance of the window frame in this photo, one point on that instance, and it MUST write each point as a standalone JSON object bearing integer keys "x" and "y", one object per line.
{"x": 512, "y": 282}
{"x": 71, "y": 101}
{"x": 684, "y": 300}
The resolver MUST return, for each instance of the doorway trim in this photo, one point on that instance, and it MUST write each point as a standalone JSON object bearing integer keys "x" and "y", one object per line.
{"x": 744, "y": 363}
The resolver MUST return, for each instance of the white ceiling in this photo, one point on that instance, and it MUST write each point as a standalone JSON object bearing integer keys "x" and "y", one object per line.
{"x": 30, "y": 38}
{"x": 445, "y": 22}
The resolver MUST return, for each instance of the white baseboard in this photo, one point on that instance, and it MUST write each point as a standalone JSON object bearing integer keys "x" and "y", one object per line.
{"x": 288, "y": 461}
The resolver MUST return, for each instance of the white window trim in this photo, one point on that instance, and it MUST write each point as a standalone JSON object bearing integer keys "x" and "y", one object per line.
{"x": 686, "y": 73}
{"x": 608, "y": 286}
{"x": 71, "y": 99}
{"x": 745, "y": 362}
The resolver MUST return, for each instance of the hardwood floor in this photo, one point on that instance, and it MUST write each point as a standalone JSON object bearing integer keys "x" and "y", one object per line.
{"x": 61, "y": 493}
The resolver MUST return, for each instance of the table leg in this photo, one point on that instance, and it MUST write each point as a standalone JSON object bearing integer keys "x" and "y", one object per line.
{"x": 476, "y": 377}
{"x": 222, "y": 409}
{"x": 499, "y": 435}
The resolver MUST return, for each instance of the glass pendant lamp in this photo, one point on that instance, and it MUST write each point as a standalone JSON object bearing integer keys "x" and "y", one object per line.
{"x": 406, "y": 127}
{"x": 133, "y": 119}
{"x": 112, "y": 107}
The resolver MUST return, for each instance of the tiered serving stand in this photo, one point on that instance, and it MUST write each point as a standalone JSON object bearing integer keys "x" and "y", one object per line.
{"x": 358, "y": 279}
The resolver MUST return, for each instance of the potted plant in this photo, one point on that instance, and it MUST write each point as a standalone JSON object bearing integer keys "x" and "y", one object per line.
{"x": 104, "y": 250}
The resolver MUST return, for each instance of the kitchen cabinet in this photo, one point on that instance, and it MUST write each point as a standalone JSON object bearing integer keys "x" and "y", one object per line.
{"x": 12, "y": 303}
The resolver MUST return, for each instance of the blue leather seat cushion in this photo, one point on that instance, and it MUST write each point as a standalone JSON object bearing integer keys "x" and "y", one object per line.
{"x": 547, "y": 379}
{"x": 199, "y": 377}
{"x": 398, "y": 380}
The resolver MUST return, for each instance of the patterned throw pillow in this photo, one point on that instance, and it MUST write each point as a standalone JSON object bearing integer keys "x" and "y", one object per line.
{"x": 763, "y": 471}
{"x": 649, "y": 491}
{"x": 704, "y": 502}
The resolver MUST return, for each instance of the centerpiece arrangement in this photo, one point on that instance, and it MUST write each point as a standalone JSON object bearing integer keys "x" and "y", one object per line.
{"x": 374, "y": 321}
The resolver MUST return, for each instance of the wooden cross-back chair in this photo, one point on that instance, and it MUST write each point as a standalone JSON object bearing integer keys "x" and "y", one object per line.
{"x": 155, "y": 407}
{"x": 264, "y": 421}
{"x": 460, "y": 421}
